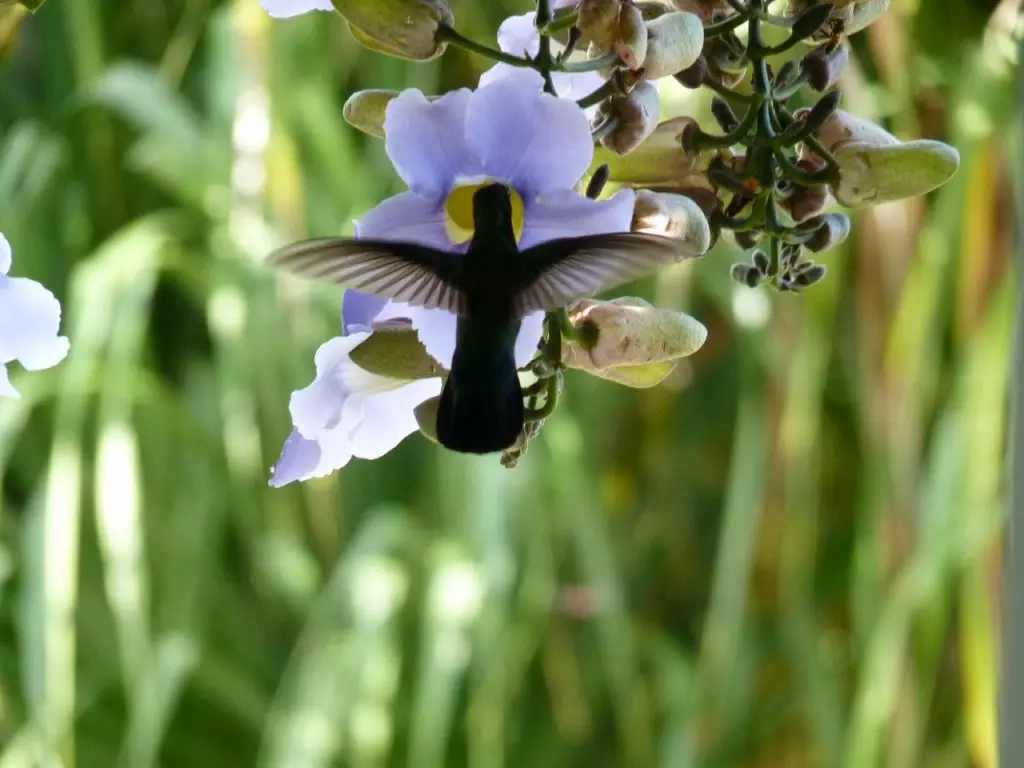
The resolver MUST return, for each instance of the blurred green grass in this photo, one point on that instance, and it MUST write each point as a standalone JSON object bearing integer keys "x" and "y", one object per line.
{"x": 787, "y": 555}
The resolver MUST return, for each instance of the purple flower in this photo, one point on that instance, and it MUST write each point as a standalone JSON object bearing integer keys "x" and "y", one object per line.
{"x": 29, "y": 323}
{"x": 510, "y": 132}
{"x": 347, "y": 411}
{"x": 284, "y": 9}
{"x": 518, "y": 35}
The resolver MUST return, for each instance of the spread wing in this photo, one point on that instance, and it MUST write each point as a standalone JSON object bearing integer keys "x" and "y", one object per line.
{"x": 560, "y": 272}
{"x": 420, "y": 276}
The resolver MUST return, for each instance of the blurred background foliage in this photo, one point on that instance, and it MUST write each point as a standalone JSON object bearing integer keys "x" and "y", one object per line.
{"x": 786, "y": 555}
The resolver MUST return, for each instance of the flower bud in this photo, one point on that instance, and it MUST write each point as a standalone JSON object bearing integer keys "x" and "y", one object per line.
{"x": 842, "y": 127}
{"x": 833, "y": 230}
{"x": 397, "y": 354}
{"x": 672, "y": 215}
{"x": 407, "y": 29}
{"x": 859, "y": 14}
{"x": 365, "y": 110}
{"x": 651, "y": 9}
{"x": 659, "y": 160}
{"x": 823, "y": 67}
{"x": 851, "y": 15}
{"x": 631, "y": 41}
{"x": 870, "y": 175}
{"x": 674, "y": 41}
{"x": 629, "y": 341}
{"x": 599, "y": 23}
{"x": 637, "y": 115}
{"x": 705, "y": 10}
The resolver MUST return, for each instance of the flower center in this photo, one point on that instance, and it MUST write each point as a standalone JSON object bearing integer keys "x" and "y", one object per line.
{"x": 458, "y": 210}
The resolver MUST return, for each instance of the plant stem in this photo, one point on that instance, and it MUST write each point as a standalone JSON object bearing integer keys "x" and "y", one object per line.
{"x": 544, "y": 62}
{"x": 450, "y": 35}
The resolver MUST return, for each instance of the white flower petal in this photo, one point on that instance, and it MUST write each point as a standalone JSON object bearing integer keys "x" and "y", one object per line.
{"x": 530, "y": 331}
{"x": 5, "y": 255}
{"x": 568, "y": 214}
{"x": 29, "y": 323}
{"x": 527, "y": 138}
{"x": 388, "y": 418}
{"x": 426, "y": 140}
{"x": 518, "y": 35}
{"x": 346, "y": 411}
{"x": 284, "y": 9}
{"x": 436, "y": 329}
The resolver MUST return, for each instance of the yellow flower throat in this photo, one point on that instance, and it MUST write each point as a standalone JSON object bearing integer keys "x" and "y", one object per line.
{"x": 458, "y": 210}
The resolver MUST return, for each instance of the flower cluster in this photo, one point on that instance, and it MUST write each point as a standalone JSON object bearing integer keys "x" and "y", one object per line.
{"x": 570, "y": 105}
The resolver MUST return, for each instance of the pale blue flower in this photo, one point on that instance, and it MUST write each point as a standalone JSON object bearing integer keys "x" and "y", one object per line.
{"x": 29, "y": 324}
{"x": 518, "y": 35}
{"x": 508, "y": 131}
{"x": 284, "y": 9}
{"x": 347, "y": 411}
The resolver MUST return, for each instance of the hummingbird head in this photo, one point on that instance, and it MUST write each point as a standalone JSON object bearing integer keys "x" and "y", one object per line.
{"x": 492, "y": 208}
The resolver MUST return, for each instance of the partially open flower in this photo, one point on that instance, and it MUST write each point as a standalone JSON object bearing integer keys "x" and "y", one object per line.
{"x": 629, "y": 341}
{"x": 29, "y": 324}
{"x": 636, "y": 115}
{"x": 672, "y": 215}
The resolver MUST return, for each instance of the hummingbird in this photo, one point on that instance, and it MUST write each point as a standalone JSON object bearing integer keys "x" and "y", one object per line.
{"x": 489, "y": 288}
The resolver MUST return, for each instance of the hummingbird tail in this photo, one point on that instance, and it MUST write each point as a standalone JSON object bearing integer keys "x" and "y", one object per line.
{"x": 481, "y": 407}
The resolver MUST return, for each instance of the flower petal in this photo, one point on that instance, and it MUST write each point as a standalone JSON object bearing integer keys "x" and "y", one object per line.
{"x": 284, "y": 9}
{"x": 5, "y": 255}
{"x": 6, "y": 388}
{"x": 576, "y": 85}
{"x": 518, "y": 35}
{"x": 530, "y": 139}
{"x": 530, "y": 331}
{"x": 299, "y": 460}
{"x": 318, "y": 406}
{"x": 388, "y": 418}
{"x": 568, "y": 214}
{"x": 29, "y": 323}
{"x": 358, "y": 311}
{"x": 436, "y": 329}
{"x": 408, "y": 217}
{"x": 426, "y": 140}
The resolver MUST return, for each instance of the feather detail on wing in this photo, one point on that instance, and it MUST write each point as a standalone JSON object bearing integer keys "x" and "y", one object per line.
{"x": 414, "y": 274}
{"x": 560, "y": 272}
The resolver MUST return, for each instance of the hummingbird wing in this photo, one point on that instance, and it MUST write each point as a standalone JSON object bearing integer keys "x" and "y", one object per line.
{"x": 415, "y": 274}
{"x": 559, "y": 272}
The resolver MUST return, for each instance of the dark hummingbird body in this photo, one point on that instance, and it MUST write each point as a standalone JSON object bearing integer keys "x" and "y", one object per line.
{"x": 481, "y": 408}
{"x": 490, "y": 288}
